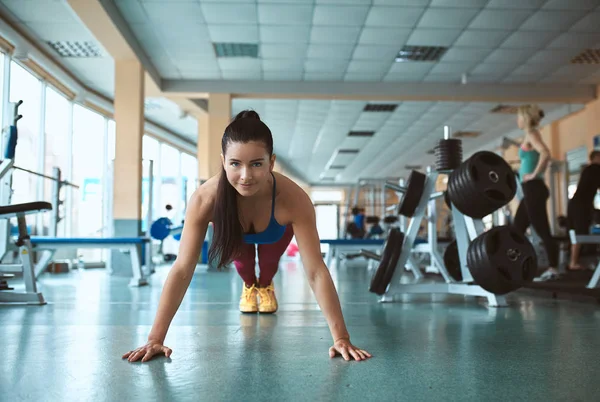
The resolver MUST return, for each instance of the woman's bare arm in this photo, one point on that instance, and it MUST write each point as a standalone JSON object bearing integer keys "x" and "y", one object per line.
{"x": 319, "y": 278}
{"x": 179, "y": 277}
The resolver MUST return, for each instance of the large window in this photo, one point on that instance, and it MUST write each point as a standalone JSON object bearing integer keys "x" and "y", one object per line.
{"x": 150, "y": 153}
{"x": 24, "y": 86}
{"x": 88, "y": 172}
{"x": 170, "y": 183}
{"x": 189, "y": 176}
{"x": 56, "y": 154}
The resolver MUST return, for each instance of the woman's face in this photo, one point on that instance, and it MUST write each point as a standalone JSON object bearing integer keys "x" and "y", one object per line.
{"x": 247, "y": 166}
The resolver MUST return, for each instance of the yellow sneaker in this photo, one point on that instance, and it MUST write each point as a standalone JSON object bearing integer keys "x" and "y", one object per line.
{"x": 267, "y": 302}
{"x": 248, "y": 299}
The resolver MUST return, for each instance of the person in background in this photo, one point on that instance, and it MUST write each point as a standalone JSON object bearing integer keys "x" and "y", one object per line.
{"x": 534, "y": 156}
{"x": 580, "y": 210}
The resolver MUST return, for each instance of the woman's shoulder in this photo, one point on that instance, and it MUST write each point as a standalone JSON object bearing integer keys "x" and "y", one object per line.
{"x": 203, "y": 198}
{"x": 289, "y": 192}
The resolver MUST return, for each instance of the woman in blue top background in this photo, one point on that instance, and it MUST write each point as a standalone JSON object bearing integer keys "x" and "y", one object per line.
{"x": 534, "y": 156}
{"x": 249, "y": 204}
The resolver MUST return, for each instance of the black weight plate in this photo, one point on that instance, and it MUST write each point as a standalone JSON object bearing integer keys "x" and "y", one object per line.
{"x": 372, "y": 219}
{"x": 388, "y": 251}
{"x": 391, "y": 268}
{"x": 501, "y": 260}
{"x": 414, "y": 190}
{"x": 390, "y": 219}
{"x": 452, "y": 261}
{"x": 481, "y": 185}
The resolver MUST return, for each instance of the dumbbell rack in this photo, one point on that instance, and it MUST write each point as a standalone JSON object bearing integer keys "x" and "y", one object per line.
{"x": 466, "y": 229}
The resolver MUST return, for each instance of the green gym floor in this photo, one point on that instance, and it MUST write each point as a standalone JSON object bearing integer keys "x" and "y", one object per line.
{"x": 424, "y": 349}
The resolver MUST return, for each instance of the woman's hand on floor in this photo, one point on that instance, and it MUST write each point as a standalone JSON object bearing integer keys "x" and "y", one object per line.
{"x": 147, "y": 351}
{"x": 347, "y": 350}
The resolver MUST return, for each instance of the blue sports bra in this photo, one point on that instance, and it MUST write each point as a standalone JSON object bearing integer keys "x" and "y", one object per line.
{"x": 274, "y": 230}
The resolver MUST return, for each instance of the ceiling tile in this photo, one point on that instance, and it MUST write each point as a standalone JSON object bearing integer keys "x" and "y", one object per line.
{"x": 459, "y": 4}
{"x": 343, "y": 35}
{"x": 553, "y": 56}
{"x": 457, "y": 54}
{"x": 570, "y": 5}
{"x": 522, "y": 39}
{"x": 240, "y": 64}
{"x": 499, "y": 19}
{"x": 589, "y": 23}
{"x": 282, "y": 64}
{"x": 376, "y": 67}
{"x": 285, "y": 14}
{"x": 455, "y": 69}
{"x": 493, "y": 68}
{"x": 414, "y": 68}
{"x": 508, "y": 56}
{"x": 364, "y": 77}
{"x": 481, "y": 38}
{"x": 575, "y": 40}
{"x": 181, "y": 13}
{"x": 286, "y": 51}
{"x": 512, "y": 4}
{"x": 396, "y": 17}
{"x": 320, "y": 65}
{"x": 433, "y": 37}
{"x": 551, "y": 20}
{"x": 363, "y": 52}
{"x": 234, "y": 33}
{"x": 384, "y": 36}
{"x": 215, "y": 13}
{"x": 404, "y": 77}
{"x": 537, "y": 69}
{"x": 330, "y": 52}
{"x": 447, "y": 17}
{"x": 284, "y": 34}
{"x": 330, "y": 15}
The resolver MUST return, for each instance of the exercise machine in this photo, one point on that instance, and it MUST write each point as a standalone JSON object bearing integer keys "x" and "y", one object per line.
{"x": 25, "y": 267}
{"x": 489, "y": 263}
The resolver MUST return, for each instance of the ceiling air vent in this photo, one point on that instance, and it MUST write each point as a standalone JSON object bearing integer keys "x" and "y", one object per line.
{"x": 337, "y": 167}
{"x": 466, "y": 134}
{"x": 347, "y": 151}
{"x": 236, "y": 50}
{"x": 420, "y": 53}
{"x": 506, "y": 109}
{"x": 361, "y": 133}
{"x": 588, "y": 56}
{"x": 413, "y": 167}
{"x": 380, "y": 107}
{"x": 75, "y": 49}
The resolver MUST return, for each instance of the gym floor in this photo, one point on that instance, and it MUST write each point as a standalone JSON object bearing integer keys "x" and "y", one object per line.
{"x": 425, "y": 348}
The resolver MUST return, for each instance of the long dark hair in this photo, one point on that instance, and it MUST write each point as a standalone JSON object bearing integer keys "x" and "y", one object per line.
{"x": 228, "y": 233}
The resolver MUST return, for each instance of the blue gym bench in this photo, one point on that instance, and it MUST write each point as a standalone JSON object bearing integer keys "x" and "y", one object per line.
{"x": 49, "y": 245}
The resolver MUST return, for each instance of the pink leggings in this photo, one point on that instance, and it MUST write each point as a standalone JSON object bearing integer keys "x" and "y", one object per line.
{"x": 268, "y": 259}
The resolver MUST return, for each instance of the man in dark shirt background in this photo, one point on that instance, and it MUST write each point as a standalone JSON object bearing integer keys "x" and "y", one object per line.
{"x": 581, "y": 207}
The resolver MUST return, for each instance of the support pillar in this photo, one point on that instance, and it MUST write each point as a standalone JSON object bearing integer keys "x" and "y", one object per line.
{"x": 211, "y": 127}
{"x": 127, "y": 181}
